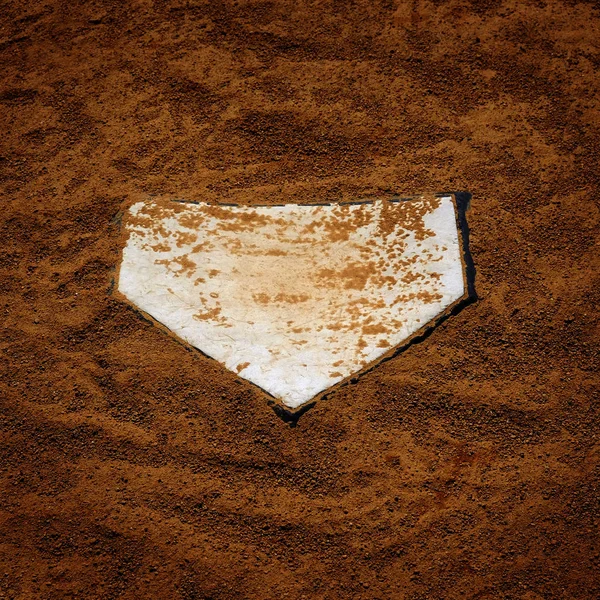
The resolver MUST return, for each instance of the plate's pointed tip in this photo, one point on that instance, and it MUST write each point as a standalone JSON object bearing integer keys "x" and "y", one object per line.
{"x": 291, "y": 416}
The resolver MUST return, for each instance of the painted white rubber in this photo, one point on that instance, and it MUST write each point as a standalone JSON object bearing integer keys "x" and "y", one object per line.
{"x": 294, "y": 298}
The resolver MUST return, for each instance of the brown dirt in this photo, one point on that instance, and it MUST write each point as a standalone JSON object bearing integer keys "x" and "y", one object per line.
{"x": 467, "y": 467}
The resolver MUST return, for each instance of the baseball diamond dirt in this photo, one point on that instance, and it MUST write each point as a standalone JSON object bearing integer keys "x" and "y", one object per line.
{"x": 466, "y": 467}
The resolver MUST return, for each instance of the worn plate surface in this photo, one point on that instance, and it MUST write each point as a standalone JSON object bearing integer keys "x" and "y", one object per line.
{"x": 295, "y": 298}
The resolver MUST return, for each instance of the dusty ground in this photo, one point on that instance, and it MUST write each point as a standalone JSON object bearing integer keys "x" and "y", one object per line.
{"x": 467, "y": 467}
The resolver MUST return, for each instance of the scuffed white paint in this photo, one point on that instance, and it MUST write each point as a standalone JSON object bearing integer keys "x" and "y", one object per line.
{"x": 293, "y": 298}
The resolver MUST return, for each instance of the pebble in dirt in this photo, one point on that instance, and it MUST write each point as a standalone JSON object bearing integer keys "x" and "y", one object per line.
{"x": 296, "y": 298}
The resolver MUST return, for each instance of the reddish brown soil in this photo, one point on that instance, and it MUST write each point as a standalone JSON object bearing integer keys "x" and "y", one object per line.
{"x": 467, "y": 467}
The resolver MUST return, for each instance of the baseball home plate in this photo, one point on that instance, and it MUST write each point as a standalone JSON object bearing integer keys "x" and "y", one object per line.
{"x": 296, "y": 298}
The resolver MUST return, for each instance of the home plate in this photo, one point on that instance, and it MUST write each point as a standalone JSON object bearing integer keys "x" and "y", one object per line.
{"x": 298, "y": 298}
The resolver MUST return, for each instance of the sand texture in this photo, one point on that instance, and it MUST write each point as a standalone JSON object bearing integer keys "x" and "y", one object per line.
{"x": 466, "y": 467}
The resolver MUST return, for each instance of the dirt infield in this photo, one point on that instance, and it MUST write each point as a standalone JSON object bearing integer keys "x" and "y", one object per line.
{"x": 466, "y": 467}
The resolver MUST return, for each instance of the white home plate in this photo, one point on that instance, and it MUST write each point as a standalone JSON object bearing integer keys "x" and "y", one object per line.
{"x": 295, "y": 298}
